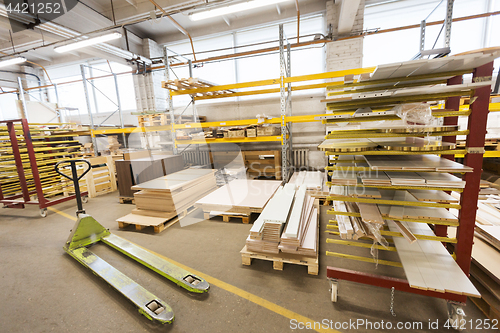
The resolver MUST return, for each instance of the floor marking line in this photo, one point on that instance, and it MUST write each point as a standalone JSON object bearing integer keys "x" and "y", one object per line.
{"x": 234, "y": 290}
{"x": 62, "y": 213}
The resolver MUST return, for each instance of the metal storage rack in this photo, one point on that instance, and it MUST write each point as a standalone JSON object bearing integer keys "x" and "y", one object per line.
{"x": 462, "y": 243}
{"x": 27, "y": 158}
{"x": 285, "y": 89}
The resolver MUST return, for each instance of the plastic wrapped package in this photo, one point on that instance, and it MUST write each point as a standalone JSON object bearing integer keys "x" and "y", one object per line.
{"x": 415, "y": 113}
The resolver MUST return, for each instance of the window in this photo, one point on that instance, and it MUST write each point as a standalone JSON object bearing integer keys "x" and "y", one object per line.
{"x": 465, "y": 35}
{"x": 308, "y": 60}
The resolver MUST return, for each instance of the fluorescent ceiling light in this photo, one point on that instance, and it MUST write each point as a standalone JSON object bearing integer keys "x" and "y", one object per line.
{"x": 12, "y": 61}
{"x": 233, "y": 9}
{"x": 87, "y": 42}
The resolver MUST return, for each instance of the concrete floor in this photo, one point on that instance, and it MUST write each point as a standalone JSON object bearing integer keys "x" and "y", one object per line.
{"x": 43, "y": 289}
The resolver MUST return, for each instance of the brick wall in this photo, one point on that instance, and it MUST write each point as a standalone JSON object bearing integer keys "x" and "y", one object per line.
{"x": 346, "y": 54}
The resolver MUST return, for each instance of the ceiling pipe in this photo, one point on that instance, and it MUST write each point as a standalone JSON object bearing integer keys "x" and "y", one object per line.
{"x": 177, "y": 25}
{"x": 298, "y": 19}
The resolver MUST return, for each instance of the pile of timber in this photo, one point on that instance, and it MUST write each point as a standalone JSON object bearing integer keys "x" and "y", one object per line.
{"x": 113, "y": 144}
{"x": 314, "y": 181}
{"x": 163, "y": 201}
{"x": 240, "y": 197}
{"x": 485, "y": 271}
{"x": 289, "y": 223}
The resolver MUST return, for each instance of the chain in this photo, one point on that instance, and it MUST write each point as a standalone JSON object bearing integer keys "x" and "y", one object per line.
{"x": 392, "y": 302}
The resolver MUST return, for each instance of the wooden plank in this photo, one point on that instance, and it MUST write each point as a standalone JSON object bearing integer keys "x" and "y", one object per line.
{"x": 370, "y": 213}
{"x": 407, "y": 234}
{"x": 292, "y": 228}
{"x": 433, "y": 195}
{"x": 281, "y": 207}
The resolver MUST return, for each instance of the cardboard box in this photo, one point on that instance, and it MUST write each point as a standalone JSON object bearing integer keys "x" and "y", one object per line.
{"x": 268, "y": 130}
{"x": 240, "y": 133}
{"x": 251, "y": 132}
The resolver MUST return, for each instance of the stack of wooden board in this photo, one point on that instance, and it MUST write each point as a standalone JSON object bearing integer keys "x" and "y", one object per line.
{"x": 298, "y": 241}
{"x": 428, "y": 265}
{"x": 164, "y": 198}
{"x": 266, "y": 231}
{"x": 240, "y": 196}
{"x": 415, "y": 163}
{"x": 301, "y": 232}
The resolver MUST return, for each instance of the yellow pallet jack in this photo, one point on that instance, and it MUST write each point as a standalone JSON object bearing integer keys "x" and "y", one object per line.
{"x": 87, "y": 231}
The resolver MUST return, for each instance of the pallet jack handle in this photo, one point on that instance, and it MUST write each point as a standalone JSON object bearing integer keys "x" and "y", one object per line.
{"x": 74, "y": 177}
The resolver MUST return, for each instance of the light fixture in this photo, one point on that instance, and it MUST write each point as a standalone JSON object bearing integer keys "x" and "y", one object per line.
{"x": 233, "y": 9}
{"x": 12, "y": 61}
{"x": 88, "y": 42}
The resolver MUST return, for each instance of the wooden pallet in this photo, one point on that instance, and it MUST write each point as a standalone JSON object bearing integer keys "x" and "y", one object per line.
{"x": 163, "y": 225}
{"x": 127, "y": 200}
{"x": 159, "y": 119}
{"x": 194, "y": 83}
{"x": 278, "y": 260}
{"x": 226, "y": 217}
{"x": 99, "y": 180}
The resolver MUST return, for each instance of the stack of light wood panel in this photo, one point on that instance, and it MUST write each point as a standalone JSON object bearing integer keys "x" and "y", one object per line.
{"x": 288, "y": 223}
{"x": 165, "y": 198}
{"x": 238, "y": 198}
{"x": 51, "y": 145}
{"x": 400, "y": 194}
{"x": 485, "y": 271}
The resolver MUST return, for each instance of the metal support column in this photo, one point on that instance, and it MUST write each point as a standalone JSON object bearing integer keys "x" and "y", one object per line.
{"x": 89, "y": 108}
{"x": 22, "y": 98}
{"x": 62, "y": 117}
{"x": 447, "y": 23}
{"x": 170, "y": 102}
{"x": 474, "y": 159}
{"x": 119, "y": 104}
{"x": 284, "y": 134}
{"x": 422, "y": 36}
{"x": 289, "y": 99}
{"x": 452, "y": 103}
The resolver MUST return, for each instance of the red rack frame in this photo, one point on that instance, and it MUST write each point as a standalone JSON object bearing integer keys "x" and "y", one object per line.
{"x": 468, "y": 200}
{"x": 20, "y": 200}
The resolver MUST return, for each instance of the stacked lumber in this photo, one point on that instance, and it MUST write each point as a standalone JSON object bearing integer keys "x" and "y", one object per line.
{"x": 164, "y": 198}
{"x": 266, "y": 230}
{"x": 301, "y": 233}
{"x": 113, "y": 144}
{"x": 288, "y": 223}
{"x": 240, "y": 196}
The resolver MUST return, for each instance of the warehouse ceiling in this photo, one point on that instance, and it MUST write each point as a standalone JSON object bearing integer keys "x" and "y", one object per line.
{"x": 90, "y": 16}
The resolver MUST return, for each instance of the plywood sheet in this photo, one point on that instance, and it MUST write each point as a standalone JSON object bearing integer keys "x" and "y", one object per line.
{"x": 428, "y": 265}
{"x": 417, "y": 163}
{"x": 242, "y": 193}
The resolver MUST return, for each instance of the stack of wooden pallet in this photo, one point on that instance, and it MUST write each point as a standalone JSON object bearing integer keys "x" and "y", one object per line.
{"x": 163, "y": 201}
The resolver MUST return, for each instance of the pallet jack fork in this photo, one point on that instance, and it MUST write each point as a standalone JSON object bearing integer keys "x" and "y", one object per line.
{"x": 87, "y": 231}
